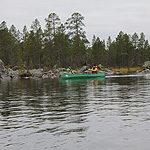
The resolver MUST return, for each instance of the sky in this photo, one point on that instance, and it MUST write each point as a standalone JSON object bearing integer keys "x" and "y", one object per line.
{"x": 103, "y": 18}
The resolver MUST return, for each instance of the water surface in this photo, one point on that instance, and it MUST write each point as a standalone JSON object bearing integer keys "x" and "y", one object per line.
{"x": 107, "y": 114}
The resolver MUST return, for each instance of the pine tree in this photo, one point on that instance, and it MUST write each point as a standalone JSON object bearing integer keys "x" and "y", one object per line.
{"x": 52, "y": 23}
{"x": 61, "y": 46}
{"x": 141, "y": 48}
{"x": 78, "y": 39}
{"x": 6, "y": 44}
{"x": 36, "y": 29}
{"x": 98, "y": 52}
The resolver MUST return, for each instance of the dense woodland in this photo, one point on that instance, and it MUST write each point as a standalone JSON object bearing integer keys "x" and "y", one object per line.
{"x": 65, "y": 44}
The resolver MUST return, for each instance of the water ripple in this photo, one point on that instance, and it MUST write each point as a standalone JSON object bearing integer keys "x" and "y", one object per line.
{"x": 50, "y": 114}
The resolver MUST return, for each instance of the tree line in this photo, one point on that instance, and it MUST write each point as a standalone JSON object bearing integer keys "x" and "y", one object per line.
{"x": 65, "y": 44}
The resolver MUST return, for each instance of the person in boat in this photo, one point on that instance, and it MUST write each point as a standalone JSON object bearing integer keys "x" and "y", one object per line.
{"x": 94, "y": 69}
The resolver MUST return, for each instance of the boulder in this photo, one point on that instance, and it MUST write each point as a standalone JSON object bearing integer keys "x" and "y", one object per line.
{"x": 25, "y": 75}
{"x": 118, "y": 72}
{"x": 12, "y": 72}
{"x": 100, "y": 66}
{"x": 1, "y": 63}
{"x": 83, "y": 69}
{"x": 3, "y": 70}
{"x": 36, "y": 72}
{"x": 15, "y": 68}
{"x": 108, "y": 72}
{"x": 146, "y": 64}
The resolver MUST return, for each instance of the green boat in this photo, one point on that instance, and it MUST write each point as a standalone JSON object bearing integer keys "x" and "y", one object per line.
{"x": 66, "y": 76}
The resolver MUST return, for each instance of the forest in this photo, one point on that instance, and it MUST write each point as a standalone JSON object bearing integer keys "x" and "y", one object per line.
{"x": 66, "y": 44}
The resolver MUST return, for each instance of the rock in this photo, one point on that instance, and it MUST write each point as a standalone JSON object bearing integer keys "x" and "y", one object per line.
{"x": 36, "y": 71}
{"x": 109, "y": 72}
{"x": 118, "y": 72}
{"x": 83, "y": 69}
{"x": 100, "y": 66}
{"x": 25, "y": 75}
{"x": 15, "y": 68}
{"x": 146, "y": 71}
{"x": 1, "y": 63}
{"x": 12, "y": 72}
{"x": 3, "y": 70}
{"x": 146, "y": 64}
{"x": 60, "y": 71}
{"x": 69, "y": 69}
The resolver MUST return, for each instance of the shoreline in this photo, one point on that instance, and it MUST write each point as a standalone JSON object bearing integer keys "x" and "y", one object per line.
{"x": 57, "y": 72}
{"x": 126, "y": 70}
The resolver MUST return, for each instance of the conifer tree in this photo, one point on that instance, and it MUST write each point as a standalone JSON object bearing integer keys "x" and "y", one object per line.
{"x": 36, "y": 29}
{"x": 78, "y": 39}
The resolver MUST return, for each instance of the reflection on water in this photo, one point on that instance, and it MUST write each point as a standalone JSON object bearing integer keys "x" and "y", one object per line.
{"x": 111, "y": 113}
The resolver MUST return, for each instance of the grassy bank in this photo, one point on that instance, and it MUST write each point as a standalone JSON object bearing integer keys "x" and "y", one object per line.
{"x": 126, "y": 70}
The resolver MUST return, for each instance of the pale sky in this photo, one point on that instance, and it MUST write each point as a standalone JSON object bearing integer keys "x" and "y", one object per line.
{"x": 102, "y": 17}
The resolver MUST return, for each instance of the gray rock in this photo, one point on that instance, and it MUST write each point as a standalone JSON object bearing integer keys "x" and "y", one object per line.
{"x": 36, "y": 72}
{"x": 12, "y": 72}
{"x": 146, "y": 64}
{"x": 118, "y": 72}
{"x": 83, "y": 69}
{"x": 3, "y": 70}
{"x": 1, "y": 63}
{"x": 100, "y": 66}
{"x": 109, "y": 72}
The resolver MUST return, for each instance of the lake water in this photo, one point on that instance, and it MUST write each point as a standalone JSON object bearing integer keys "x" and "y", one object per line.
{"x": 50, "y": 114}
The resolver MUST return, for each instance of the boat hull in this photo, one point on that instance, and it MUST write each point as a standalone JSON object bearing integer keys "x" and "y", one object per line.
{"x": 66, "y": 76}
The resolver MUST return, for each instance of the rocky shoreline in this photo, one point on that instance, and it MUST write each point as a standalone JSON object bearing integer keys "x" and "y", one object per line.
{"x": 55, "y": 73}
